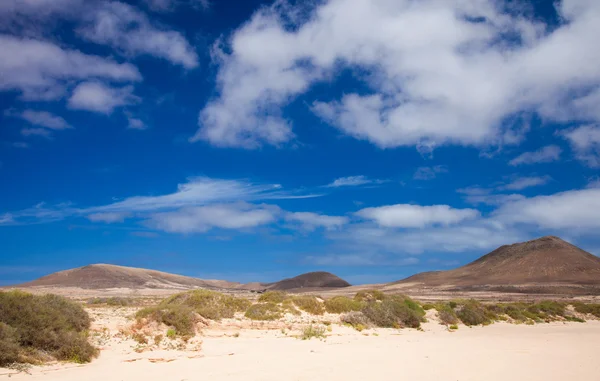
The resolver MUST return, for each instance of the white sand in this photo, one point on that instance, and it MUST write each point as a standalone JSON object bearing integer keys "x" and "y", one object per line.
{"x": 542, "y": 352}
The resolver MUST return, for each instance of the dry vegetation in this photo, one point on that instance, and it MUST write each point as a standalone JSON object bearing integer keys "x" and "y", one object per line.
{"x": 35, "y": 329}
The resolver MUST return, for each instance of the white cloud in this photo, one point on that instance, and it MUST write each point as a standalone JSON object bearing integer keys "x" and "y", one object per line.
{"x": 427, "y": 64}
{"x": 203, "y": 218}
{"x": 98, "y": 97}
{"x": 545, "y": 154}
{"x": 36, "y": 132}
{"x": 477, "y": 195}
{"x": 311, "y": 221}
{"x": 585, "y": 141}
{"x": 134, "y": 123}
{"x": 126, "y": 29}
{"x": 429, "y": 173}
{"x": 5, "y": 219}
{"x": 43, "y": 119}
{"x": 480, "y": 235}
{"x": 108, "y": 217}
{"x": 350, "y": 181}
{"x": 572, "y": 211}
{"x": 416, "y": 216}
{"x": 521, "y": 183}
{"x": 41, "y": 70}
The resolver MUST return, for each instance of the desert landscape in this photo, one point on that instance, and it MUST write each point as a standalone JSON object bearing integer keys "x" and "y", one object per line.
{"x": 530, "y": 309}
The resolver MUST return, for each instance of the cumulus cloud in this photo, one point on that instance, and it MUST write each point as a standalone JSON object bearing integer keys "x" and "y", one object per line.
{"x": 101, "y": 98}
{"x": 310, "y": 221}
{"x": 200, "y": 219}
{"x": 585, "y": 142}
{"x": 574, "y": 211}
{"x": 545, "y": 154}
{"x": 416, "y": 216}
{"x": 41, "y": 70}
{"x": 429, "y": 173}
{"x": 128, "y": 30}
{"x": 427, "y": 65}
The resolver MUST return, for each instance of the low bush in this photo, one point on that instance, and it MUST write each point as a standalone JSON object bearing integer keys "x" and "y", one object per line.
{"x": 112, "y": 301}
{"x": 309, "y": 303}
{"x": 313, "y": 331}
{"x": 446, "y": 314}
{"x": 182, "y": 319}
{"x": 394, "y": 312}
{"x": 474, "y": 313}
{"x": 273, "y": 297}
{"x": 355, "y": 319}
{"x": 209, "y": 304}
{"x": 591, "y": 308}
{"x": 43, "y": 325}
{"x": 264, "y": 311}
{"x": 342, "y": 304}
{"x": 369, "y": 295}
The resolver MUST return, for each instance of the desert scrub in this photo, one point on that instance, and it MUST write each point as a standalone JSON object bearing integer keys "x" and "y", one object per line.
{"x": 342, "y": 304}
{"x": 369, "y": 295}
{"x": 394, "y": 312}
{"x": 264, "y": 311}
{"x": 34, "y": 327}
{"x": 182, "y": 319}
{"x": 453, "y": 327}
{"x": 313, "y": 331}
{"x": 209, "y": 304}
{"x": 471, "y": 312}
{"x": 309, "y": 303}
{"x": 273, "y": 297}
{"x": 112, "y": 301}
{"x": 591, "y": 308}
{"x": 446, "y": 314}
{"x": 356, "y": 320}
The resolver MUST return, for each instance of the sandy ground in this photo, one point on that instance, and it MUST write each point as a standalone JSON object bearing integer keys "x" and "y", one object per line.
{"x": 555, "y": 351}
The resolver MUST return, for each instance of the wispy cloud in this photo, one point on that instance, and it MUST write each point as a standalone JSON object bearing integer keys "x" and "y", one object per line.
{"x": 521, "y": 183}
{"x": 41, "y": 118}
{"x": 310, "y": 221}
{"x": 353, "y": 181}
{"x": 585, "y": 141}
{"x": 545, "y": 154}
{"x": 101, "y": 98}
{"x": 429, "y": 173}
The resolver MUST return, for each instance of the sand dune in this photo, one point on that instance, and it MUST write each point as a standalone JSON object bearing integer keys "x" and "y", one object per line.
{"x": 548, "y": 352}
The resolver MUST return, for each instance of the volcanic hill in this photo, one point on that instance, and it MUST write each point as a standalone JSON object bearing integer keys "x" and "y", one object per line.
{"x": 546, "y": 260}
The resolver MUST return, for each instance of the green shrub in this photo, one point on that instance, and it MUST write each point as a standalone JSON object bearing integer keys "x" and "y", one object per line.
{"x": 591, "y": 308}
{"x": 309, "y": 303}
{"x": 273, "y": 297}
{"x": 394, "y": 312}
{"x": 180, "y": 317}
{"x": 474, "y": 313}
{"x": 9, "y": 345}
{"x": 313, "y": 331}
{"x": 428, "y": 306}
{"x": 446, "y": 314}
{"x": 355, "y": 319}
{"x": 209, "y": 304}
{"x": 112, "y": 301}
{"x": 453, "y": 327}
{"x": 264, "y": 311}
{"x": 369, "y": 295}
{"x": 342, "y": 304}
{"x": 47, "y": 324}
{"x": 574, "y": 319}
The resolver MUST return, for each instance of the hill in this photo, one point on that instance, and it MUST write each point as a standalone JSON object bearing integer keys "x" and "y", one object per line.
{"x": 546, "y": 260}
{"x": 103, "y": 276}
{"x": 318, "y": 279}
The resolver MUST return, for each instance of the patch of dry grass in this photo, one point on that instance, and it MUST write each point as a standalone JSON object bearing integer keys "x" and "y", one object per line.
{"x": 264, "y": 311}
{"x": 342, "y": 304}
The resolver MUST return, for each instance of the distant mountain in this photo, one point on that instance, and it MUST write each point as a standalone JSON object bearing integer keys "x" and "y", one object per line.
{"x": 102, "y": 276}
{"x": 319, "y": 279}
{"x": 542, "y": 261}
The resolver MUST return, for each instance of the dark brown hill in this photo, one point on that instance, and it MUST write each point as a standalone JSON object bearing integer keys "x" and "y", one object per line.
{"x": 319, "y": 279}
{"x": 541, "y": 261}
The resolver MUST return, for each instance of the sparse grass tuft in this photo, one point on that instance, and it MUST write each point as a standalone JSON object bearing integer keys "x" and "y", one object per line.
{"x": 273, "y": 297}
{"x": 264, "y": 311}
{"x": 342, "y": 304}
{"x": 453, "y": 327}
{"x": 34, "y": 327}
{"x": 313, "y": 331}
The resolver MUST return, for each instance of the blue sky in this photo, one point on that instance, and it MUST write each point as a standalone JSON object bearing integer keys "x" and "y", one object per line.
{"x": 252, "y": 141}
